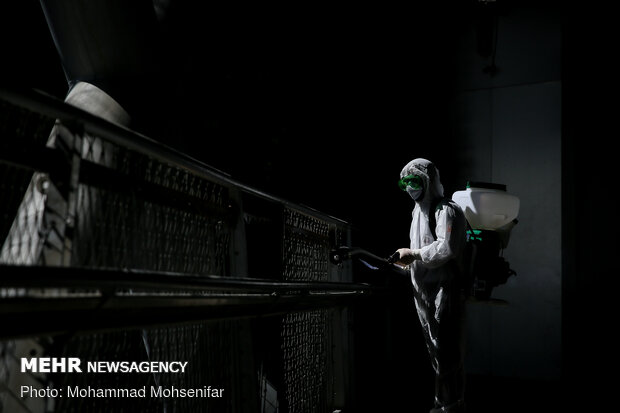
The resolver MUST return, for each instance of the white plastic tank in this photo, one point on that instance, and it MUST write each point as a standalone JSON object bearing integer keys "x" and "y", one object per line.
{"x": 487, "y": 205}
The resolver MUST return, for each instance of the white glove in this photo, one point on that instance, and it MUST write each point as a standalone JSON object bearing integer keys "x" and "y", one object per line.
{"x": 407, "y": 255}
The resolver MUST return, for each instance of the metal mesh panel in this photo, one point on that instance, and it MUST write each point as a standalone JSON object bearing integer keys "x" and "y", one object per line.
{"x": 307, "y": 359}
{"x": 21, "y": 132}
{"x": 306, "y": 247}
{"x": 119, "y": 230}
{"x": 13, "y": 185}
{"x": 180, "y": 224}
{"x": 307, "y": 336}
{"x": 25, "y": 239}
{"x": 149, "y": 216}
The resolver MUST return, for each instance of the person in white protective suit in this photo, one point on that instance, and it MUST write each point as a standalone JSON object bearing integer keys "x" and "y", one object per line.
{"x": 437, "y": 241}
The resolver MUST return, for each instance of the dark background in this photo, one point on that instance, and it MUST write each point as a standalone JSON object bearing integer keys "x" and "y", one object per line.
{"x": 324, "y": 104}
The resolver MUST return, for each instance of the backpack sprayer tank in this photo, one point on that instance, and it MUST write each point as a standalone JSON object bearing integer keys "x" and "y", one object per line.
{"x": 491, "y": 213}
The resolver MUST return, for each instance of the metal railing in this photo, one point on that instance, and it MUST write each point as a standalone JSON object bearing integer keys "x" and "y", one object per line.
{"x": 115, "y": 247}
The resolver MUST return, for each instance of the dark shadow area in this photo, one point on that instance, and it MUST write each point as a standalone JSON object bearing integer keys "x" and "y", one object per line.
{"x": 511, "y": 395}
{"x": 590, "y": 123}
{"x": 391, "y": 367}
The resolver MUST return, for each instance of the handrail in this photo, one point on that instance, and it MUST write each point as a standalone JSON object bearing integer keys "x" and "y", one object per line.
{"x": 21, "y": 276}
{"x": 55, "y": 108}
{"x": 65, "y": 300}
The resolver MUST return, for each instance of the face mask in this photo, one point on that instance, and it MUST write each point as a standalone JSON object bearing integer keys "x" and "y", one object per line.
{"x": 415, "y": 194}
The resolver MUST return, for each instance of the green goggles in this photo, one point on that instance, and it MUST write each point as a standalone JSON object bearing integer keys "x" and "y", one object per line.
{"x": 414, "y": 181}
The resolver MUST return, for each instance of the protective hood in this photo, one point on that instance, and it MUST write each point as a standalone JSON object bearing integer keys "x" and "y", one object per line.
{"x": 429, "y": 173}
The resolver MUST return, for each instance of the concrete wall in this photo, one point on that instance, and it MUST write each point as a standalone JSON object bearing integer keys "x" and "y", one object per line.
{"x": 508, "y": 130}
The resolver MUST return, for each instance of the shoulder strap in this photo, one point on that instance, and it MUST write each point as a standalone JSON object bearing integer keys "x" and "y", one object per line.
{"x": 431, "y": 219}
{"x": 437, "y": 206}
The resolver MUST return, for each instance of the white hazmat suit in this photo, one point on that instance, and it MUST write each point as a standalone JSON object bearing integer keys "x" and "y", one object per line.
{"x": 434, "y": 257}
